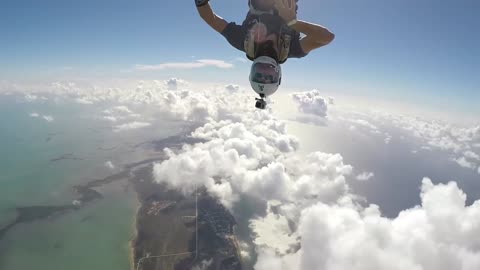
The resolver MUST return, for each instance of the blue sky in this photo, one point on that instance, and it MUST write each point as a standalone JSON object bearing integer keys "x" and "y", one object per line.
{"x": 398, "y": 49}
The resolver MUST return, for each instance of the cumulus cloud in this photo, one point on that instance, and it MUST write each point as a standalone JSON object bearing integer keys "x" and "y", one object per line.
{"x": 234, "y": 153}
{"x": 109, "y": 165}
{"x": 186, "y": 65}
{"x": 48, "y": 118}
{"x": 364, "y": 176}
{"x": 388, "y": 138}
{"x": 364, "y": 123}
{"x": 472, "y": 155}
{"x": 30, "y": 98}
{"x": 174, "y": 83}
{"x": 119, "y": 113}
{"x": 311, "y": 102}
{"x": 273, "y": 230}
{"x": 312, "y": 220}
{"x": 331, "y": 100}
{"x": 110, "y": 118}
{"x": 203, "y": 265}
{"x": 438, "y": 234}
{"x": 131, "y": 125}
{"x": 122, "y": 108}
{"x": 431, "y": 134}
{"x": 84, "y": 100}
{"x": 232, "y": 88}
{"x": 462, "y": 161}
{"x": 437, "y": 134}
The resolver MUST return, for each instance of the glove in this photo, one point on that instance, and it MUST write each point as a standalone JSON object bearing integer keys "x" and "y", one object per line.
{"x": 200, "y": 3}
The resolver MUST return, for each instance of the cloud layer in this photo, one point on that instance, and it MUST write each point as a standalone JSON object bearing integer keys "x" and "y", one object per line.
{"x": 439, "y": 234}
{"x": 308, "y": 216}
{"x": 186, "y": 65}
{"x": 47, "y": 118}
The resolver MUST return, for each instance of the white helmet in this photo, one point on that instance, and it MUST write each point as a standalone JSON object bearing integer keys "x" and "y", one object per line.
{"x": 265, "y": 75}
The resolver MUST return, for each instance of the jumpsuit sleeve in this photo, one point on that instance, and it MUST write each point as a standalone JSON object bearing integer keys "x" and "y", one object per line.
{"x": 235, "y": 35}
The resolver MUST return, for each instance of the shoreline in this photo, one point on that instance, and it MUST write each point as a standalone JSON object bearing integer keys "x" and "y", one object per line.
{"x": 157, "y": 227}
{"x": 132, "y": 241}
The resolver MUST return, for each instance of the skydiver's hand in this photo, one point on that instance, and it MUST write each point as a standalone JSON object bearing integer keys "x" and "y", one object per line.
{"x": 286, "y": 9}
{"x": 200, "y": 3}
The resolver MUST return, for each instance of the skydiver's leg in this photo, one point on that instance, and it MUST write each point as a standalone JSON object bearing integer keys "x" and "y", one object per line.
{"x": 258, "y": 7}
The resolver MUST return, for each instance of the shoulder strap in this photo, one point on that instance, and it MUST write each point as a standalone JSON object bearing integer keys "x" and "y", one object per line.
{"x": 249, "y": 42}
{"x": 284, "y": 41}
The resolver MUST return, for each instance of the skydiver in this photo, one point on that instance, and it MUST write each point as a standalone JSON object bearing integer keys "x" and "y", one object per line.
{"x": 269, "y": 35}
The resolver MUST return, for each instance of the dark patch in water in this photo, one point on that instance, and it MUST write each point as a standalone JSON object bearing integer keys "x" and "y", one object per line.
{"x": 66, "y": 157}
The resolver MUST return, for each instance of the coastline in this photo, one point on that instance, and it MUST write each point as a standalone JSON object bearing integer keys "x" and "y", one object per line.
{"x": 158, "y": 210}
{"x": 134, "y": 234}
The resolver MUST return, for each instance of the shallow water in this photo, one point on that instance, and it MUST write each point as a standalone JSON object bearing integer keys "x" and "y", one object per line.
{"x": 94, "y": 237}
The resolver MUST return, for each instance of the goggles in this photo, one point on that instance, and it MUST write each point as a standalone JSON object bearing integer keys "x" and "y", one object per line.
{"x": 265, "y": 73}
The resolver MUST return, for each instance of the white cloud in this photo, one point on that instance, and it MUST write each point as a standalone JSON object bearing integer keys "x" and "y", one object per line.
{"x": 472, "y": 155}
{"x": 109, "y": 165}
{"x": 478, "y": 171}
{"x": 232, "y": 88}
{"x": 273, "y": 230}
{"x": 431, "y": 134}
{"x": 110, "y": 118}
{"x": 174, "y": 83}
{"x": 30, "y": 97}
{"x": 364, "y": 176}
{"x": 311, "y": 102}
{"x": 84, "y": 100}
{"x": 233, "y": 153}
{"x": 387, "y": 139}
{"x": 131, "y": 125}
{"x": 462, "y": 161}
{"x": 119, "y": 113}
{"x": 203, "y": 265}
{"x": 48, "y": 118}
{"x": 439, "y": 234}
{"x": 186, "y": 65}
{"x": 123, "y": 109}
{"x": 364, "y": 123}
{"x": 317, "y": 222}
{"x": 331, "y": 100}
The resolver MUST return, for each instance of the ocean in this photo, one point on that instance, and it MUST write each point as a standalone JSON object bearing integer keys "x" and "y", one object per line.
{"x": 47, "y": 147}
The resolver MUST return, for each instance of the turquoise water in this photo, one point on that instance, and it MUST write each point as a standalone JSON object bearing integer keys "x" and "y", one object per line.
{"x": 98, "y": 235}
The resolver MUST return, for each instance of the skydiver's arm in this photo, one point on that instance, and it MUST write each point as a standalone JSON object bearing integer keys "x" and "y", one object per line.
{"x": 316, "y": 35}
{"x": 212, "y": 19}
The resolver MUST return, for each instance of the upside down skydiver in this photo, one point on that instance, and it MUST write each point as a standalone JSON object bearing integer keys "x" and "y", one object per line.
{"x": 269, "y": 35}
